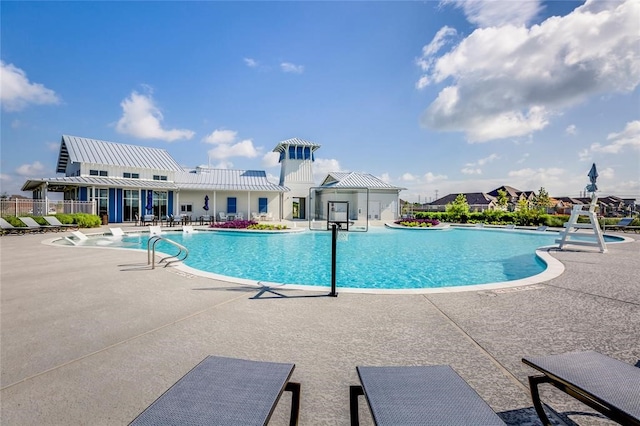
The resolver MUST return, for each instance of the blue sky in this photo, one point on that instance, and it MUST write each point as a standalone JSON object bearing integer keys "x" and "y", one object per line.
{"x": 435, "y": 97}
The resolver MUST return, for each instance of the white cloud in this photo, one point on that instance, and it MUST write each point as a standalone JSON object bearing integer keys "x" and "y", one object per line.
{"x": 606, "y": 173}
{"x": 5, "y": 177}
{"x": 30, "y": 170}
{"x": 251, "y": 63}
{"x": 289, "y": 67}
{"x": 220, "y": 137}
{"x": 491, "y": 13}
{"x": 17, "y": 92}
{"x": 385, "y": 177}
{"x": 408, "y": 177}
{"x": 571, "y": 129}
{"x": 227, "y": 146}
{"x": 524, "y": 158}
{"x": 509, "y": 81}
{"x": 141, "y": 118}
{"x": 629, "y": 137}
{"x": 324, "y": 166}
{"x": 433, "y": 178}
{"x": 471, "y": 171}
{"x": 271, "y": 159}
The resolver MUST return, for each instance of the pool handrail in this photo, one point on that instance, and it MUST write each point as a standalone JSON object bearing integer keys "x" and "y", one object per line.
{"x": 151, "y": 251}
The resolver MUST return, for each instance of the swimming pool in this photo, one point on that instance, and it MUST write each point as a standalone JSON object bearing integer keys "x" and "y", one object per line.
{"x": 378, "y": 259}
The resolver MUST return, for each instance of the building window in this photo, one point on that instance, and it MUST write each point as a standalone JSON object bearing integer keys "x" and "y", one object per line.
{"x": 131, "y": 175}
{"x": 292, "y": 152}
{"x": 93, "y": 173}
{"x": 186, "y": 208}
{"x": 262, "y": 205}
{"x": 307, "y": 153}
{"x": 159, "y": 177}
{"x": 103, "y": 173}
{"x": 299, "y": 156}
{"x": 232, "y": 204}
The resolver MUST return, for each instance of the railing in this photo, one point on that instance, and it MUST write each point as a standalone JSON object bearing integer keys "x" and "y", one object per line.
{"x": 182, "y": 254}
{"x": 28, "y": 207}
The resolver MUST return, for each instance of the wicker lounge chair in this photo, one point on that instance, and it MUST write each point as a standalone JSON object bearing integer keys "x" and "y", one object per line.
{"x": 225, "y": 391}
{"x": 35, "y": 226}
{"x": 52, "y": 220}
{"x": 426, "y": 395}
{"x": 605, "y": 384}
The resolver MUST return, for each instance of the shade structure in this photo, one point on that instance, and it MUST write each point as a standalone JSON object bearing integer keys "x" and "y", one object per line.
{"x": 206, "y": 203}
{"x": 149, "y": 206}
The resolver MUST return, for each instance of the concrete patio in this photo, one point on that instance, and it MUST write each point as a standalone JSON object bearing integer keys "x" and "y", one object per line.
{"x": 93, "y": 336}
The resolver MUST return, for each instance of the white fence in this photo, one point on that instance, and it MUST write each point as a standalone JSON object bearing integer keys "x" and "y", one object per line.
{"x": 23, "y": 207}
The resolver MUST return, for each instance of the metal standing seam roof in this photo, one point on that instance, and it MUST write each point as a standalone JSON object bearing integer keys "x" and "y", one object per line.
{"x": 84, "y": 150}
{"x": 227, "y": 179}
{"x": 32, "y": 184}
{"x": 356, "y": 180}
{"x": 295, "y": 141}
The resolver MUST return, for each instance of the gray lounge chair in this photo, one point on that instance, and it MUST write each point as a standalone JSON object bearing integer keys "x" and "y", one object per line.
{"x": 8, "y": 228}
{"x": 605, "y": 384}
{"x": 225, "y": 391}
{"x": 426, "y": 395}
{"x": 52, "y": 220}
{"x": 623, "y": 224}
{"x": 35, "y": 226}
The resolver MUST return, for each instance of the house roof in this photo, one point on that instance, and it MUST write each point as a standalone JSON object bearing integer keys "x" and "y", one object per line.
{"x": 356, "y": 180}
{"x": 84, "y": 150}
{"x": 510, "y": 190}
{"x": 282, "y": 146}
{"x": 473, "y": 198}
{"x": 227, "y": 179}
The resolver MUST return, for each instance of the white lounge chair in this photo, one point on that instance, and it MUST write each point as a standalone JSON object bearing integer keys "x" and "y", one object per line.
{"x": 117, "y": 232}
{"x": 155, "y": 230}
{"x": 81, "y": 238}
{"x": 187, "y": 229}
{"x": 510, "y": 227}
{"x": 541, "y": 228}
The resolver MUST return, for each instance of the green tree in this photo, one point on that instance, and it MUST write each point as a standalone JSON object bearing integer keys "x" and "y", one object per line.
{"x": 523, "y": 214}
{"x": 458, "y": 210}
{"x": 503, "y": 200}
{"x": 542, "y": 201}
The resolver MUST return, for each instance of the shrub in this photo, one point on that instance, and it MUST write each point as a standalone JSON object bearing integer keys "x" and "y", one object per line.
{"x": 234, "y": 224}
{"x": 267, "y": 227}
{"x": 420, "y": 223}
{"x": 84, "y": 220}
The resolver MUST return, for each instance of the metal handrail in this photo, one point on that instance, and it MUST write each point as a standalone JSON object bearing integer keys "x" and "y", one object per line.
{"x": 151, "y": 251}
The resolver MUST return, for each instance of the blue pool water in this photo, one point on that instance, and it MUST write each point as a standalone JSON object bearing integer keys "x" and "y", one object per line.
{"x": 378, "y": 259}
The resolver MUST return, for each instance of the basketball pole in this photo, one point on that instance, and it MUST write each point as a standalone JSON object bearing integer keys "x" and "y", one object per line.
{"x": 334, "y": 240}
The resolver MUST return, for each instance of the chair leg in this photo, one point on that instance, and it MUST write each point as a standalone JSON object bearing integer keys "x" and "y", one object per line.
{"x": 534, "y": 381}
{"x": 354, "y": 392}
{"x": 294, "y": 388}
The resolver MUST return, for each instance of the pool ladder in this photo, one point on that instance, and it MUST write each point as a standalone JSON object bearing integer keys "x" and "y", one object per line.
{"x": 182, "y": 254}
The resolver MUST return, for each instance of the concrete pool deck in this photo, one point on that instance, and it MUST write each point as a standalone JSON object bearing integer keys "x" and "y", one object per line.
{"x": 93, "y": 336}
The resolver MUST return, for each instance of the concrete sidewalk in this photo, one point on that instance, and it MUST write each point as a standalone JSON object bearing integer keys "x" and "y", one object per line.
{"x": 92, "y": 336}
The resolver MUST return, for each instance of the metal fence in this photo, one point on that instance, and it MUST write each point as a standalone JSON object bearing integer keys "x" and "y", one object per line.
{"x": 25, "y": 207}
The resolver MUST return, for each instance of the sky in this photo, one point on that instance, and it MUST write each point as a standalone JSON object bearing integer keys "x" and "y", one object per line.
{"x": 436, "y": 97}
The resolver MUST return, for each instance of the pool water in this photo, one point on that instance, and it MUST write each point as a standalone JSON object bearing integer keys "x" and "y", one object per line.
{"x": 378, "y": 259}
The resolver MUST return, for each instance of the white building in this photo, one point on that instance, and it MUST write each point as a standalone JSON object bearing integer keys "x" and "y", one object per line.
{"x": 129, "y": 181}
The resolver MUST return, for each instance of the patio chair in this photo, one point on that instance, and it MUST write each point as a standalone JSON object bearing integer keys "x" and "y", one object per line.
{"x": 426, "y": 395}
{"x": 8, "y": 228}
{"x": 222, "y": 216}
{"x": 605, "y": 384}
{"x": 52, "y": 220}
{"x": 225, "y": 391}
{"x": 35, "y": 226}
